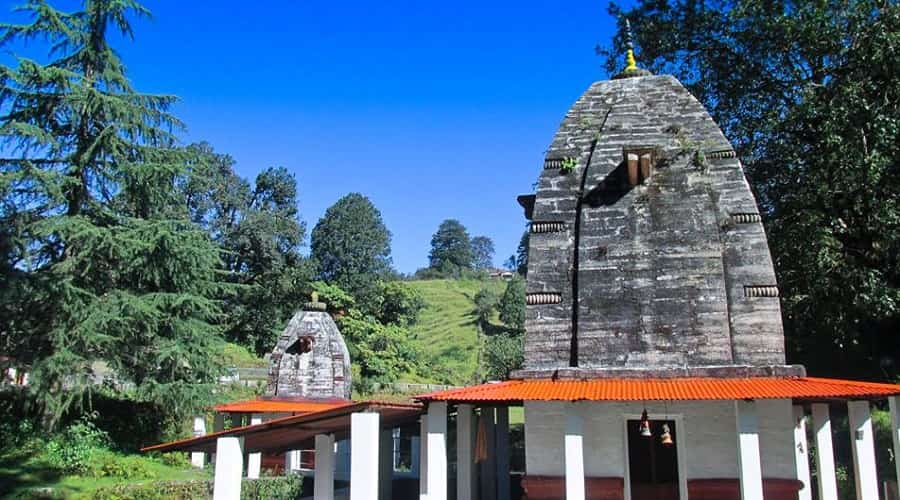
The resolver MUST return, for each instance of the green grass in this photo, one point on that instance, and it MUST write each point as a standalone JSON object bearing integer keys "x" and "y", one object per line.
{"x": 20, "y": 476}
{"x": 447, "y": 333}
{"x": 235, "y": 355}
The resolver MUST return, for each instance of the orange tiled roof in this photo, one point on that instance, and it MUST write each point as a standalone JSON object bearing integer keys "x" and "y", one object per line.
{"x": 676, "y": 389}
{"x": 279, "y": 406}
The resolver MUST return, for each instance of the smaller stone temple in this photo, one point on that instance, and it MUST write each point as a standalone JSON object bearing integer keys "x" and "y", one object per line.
{"x": 311, "y": 359}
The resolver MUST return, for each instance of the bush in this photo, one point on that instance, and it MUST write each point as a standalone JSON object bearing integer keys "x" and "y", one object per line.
{"x": 155, "y": 490}
{"x": 287, "y": 487}
{"x": 74, "y": 450}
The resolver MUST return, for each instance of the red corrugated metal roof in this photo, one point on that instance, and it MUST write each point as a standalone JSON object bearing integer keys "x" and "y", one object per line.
{"x": 676, "y": 389}
{"x": 279, "y": 406}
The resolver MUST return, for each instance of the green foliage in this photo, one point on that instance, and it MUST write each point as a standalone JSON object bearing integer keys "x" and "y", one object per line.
{"x": 568, "y": 165}
{"x": 451, "y": 249}
{"x": 519, "y": 262}
{"x": 485, "y": 303}
{"x": 482, "y": 252}
{"x": 512, "y": 305}
{"x": 75, "y": 450}
{"x": 809, "y": 93}
{"x": 258, "y": 228}
{"x": 155, "y": 490}
{"x": 447, "y": 333}
{"x": 100, "y": 260}
{"x": 352, "y": 247}
{"x": 503, "y": 353}
{"x": 382, "y": 352}
{"x": 333, "y": 296}
{"x": 400, "y": 304}
{"x": 239, "y": 356}
{"x": 286, "y": 487}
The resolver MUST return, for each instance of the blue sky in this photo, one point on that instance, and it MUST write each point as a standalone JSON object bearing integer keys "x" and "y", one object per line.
{"x": 434, "y": 110}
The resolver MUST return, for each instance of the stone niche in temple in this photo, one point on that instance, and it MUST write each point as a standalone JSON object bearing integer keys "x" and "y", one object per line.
{"x": 310, "y": 359}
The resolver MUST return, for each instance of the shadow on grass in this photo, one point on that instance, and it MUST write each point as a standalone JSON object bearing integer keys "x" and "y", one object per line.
{"x": 20, "y": 479}
{"x": 491, "y": 330}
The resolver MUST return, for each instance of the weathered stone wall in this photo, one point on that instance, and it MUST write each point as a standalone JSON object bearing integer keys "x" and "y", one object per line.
{"x": 673, "y": 272}
{"x": 310, "y": 360}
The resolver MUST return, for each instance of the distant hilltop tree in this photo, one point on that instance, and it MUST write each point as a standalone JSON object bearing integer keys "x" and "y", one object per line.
{"x": 451, "y": 248}
{"x": 352, "y": 247}
{"x": 482, "y": 253}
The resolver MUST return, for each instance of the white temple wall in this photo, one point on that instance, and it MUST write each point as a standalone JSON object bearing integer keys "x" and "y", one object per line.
{"x": 706, "y": 434}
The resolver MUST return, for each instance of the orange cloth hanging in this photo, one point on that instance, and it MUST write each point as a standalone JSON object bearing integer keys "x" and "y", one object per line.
{"x": 481, "y": 452}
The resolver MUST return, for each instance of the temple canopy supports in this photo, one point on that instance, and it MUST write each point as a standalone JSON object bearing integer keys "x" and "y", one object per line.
{"x": 862, "y": 444}
{"x": 824, "y": 452}
{"x": 229, "y": 468}
{"x": 574, "y": 454}
{"x": 801, "y": 453}
{"x": 437, "y": 451}
{"x": 749, "y": 465}
{"x": 364, "y": 437}
{"x": 254, "y": 461}
{"x": 198, "y": 459}
{"x": 465, "y": 458}
{"x": 323, "y": 488}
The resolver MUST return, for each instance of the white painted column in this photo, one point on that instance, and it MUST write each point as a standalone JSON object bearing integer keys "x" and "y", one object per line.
{"x": 386, "y": 464}
{"x": 254, "y": 461}
{"x": 749, "y": 465}
{"x": 863, "y": 445}
{"x": 323, "y": 487}
{"x": 229, "y": 468}
{"x": 364, "y": 437}
{"x": 437, "y": 451}
{"x": 894, "y": 402}
{"x": 501, "y": 440}
{"x": 574, "y": 453}
{"x": 291, "y": 460}
{"x": 801, "y": 453}
{"x": 198, "y": 459}
{"x": 423, "y": 458}
{"x": 465, "y": 459}
{"x": 824, "y": 452}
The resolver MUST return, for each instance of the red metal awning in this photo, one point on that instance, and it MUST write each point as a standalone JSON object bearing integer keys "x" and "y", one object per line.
{"x": 675, "y": 389}
{"x": 297, "y": 432}
{"x": 263, "y": 405}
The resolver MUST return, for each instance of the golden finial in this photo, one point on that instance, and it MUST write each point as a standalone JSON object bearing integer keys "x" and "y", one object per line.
{"x": 631, "y": 68}
{"x": 631, "y": 64}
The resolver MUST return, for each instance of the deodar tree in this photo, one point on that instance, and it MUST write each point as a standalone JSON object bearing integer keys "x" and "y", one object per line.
{"x": 809, "y": 93}
{"x": 102, "y": 266}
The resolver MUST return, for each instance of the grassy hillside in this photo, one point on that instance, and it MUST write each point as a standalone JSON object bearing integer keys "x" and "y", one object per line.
{"x": 447, "y": 333}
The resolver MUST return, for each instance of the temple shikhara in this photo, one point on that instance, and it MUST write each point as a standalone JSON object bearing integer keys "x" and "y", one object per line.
{"x": 654, "y": 350}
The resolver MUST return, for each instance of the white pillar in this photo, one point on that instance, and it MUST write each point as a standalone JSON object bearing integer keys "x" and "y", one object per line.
{"x": 574, "y": 453}
{"x": 291, "y": 460}
{"x": 894, "y": 402}
{"x": 801, "y": 453}
{"x": 364, "y": 436}
{"x": 423, "y": 458}
{"x": 437, "y": 451}
{"x": 824, "y": 452}
{"x": 501, "y": 435}
{"x": 386, "y": 464}
{"x": 323, "y": 487}
{"x": 749, "y": 465}
{"x": 254, "y": 461}
{"x": 229, "y": 468}
{"x": 863, "y": 445}
{"x": 198, "y": 458}
{"x": 465, "y": 460}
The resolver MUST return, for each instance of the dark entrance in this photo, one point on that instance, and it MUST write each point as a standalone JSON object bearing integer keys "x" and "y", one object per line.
{"x": 653, "y": 465}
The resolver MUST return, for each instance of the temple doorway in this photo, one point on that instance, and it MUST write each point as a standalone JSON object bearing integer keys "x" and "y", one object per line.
{"x": 653, "y": 460}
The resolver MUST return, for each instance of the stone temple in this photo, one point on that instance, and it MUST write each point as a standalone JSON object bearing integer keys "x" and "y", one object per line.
{"x": 647, "y": 254}
{"x": 310, "y": 359}
{"x": 654, "y": 350}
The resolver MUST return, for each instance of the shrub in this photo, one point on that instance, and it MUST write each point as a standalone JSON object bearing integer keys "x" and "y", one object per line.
{"x": 287, "y": 487}
{"x": 73, "y": 450}
{"x": 155, "y": 490}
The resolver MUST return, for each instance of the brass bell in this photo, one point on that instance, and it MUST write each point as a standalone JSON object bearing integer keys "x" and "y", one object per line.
{"x": 666, "y": 437}
{"x": 645, "y": 425}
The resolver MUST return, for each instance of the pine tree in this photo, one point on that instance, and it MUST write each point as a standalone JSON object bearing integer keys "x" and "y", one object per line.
{"x": 104, "y": 263}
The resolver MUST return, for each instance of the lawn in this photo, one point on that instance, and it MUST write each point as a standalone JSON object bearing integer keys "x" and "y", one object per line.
{"x": 447, "y": 331}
